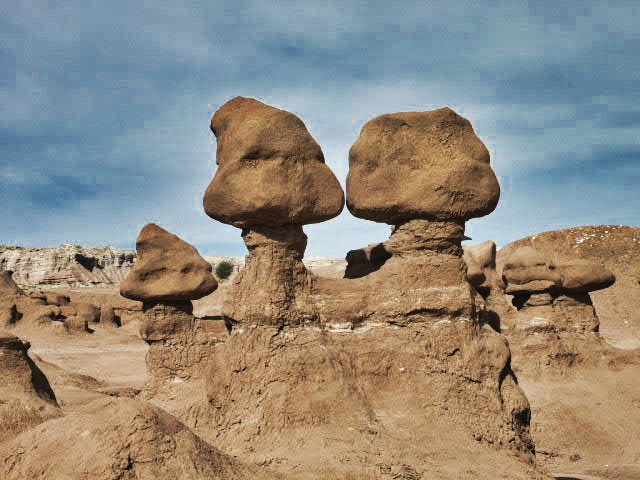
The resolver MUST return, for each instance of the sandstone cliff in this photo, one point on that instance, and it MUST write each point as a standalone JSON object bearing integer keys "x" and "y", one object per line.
{"x": 67, "y": 264}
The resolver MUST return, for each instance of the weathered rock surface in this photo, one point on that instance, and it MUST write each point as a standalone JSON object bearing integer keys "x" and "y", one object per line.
{"x": 274, "y": 285}
{"x": 270, "y": 387}
{"x": 552, "y": 294}
{"x": 271, "y": 171}
{"x": 7, "y": 283}
{"x": 116, "y": 438}
{"x": 167, "y": 269}
{"x": 271, "y": 180}
{"x": 26, "y": 398}
{"x": 67, "y": 264}
{"x": 420, "y": 165}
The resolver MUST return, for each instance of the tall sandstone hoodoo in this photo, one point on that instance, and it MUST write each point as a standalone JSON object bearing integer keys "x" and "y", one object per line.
{"x": 271, "y": 180}
{"x": 401, "y": 343}
{"x": 169, "y": 274}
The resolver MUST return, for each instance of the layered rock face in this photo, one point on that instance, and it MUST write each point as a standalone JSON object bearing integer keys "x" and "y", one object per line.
{"x": 271, "y": 180}
{"x": 26, "y": 398}
{"x": 169, "y": 274}
{"x": 67, "y": 264}
{"x": 552, "y": 295}
{"x": 405, "y": 339}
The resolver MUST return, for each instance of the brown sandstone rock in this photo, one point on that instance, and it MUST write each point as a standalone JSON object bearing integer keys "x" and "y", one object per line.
{"x": 57, "y": 299}
{"x": 420, "y": 165}
{"x": 271, "y": 170}
{"x": 108, "y": 317}
{"x": 552, "y": 295}
{"x": 271, "y": 180}
{"x": 26, "y": 398}
{"x": 617, "y": 249}
{"x": 7, "y": 285}
{"x": 116, "y": 438}
{"x": 167, "y": 269}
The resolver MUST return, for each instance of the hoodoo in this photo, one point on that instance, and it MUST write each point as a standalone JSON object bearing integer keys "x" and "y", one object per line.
{"x": 400, "y": 339}
{"x": 169, "y": 274}
{"x": 271, "y": 180}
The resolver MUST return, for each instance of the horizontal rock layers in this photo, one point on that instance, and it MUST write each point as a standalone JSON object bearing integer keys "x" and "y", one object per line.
{"x": 67, "y": 264}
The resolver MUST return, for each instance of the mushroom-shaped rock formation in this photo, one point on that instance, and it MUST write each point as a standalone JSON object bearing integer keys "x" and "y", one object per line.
{"x": 552, "y": 294}
{"x": 425, "y": 173}
{"x": 271, "y": 180}
{"x": 356, "y": 361}
{"x": 168, "y": 274}
{"x": 26, "y": 398}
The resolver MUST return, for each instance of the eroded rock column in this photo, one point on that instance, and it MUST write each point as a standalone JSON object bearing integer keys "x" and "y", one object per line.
{"x": 271, "y": 180}
{"x": 168, "y": 274}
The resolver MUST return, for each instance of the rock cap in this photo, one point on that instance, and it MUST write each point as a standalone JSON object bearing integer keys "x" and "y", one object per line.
{"x": 167, "y": 269}
{"x": 420, "y": 165}
{"x": 271, "y": 171}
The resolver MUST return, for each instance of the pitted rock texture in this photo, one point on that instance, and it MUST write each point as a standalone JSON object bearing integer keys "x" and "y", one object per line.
{"x": 26, "y": 398}
{"x": 167, "y": 269}
{"x": 116, "y": 438}
{"x": 270, "y": 169}
{"x": 274, "y": 285}
{"x": 420, "y": 165}
{"x": 67, "y": 264}
{"x": 269, "y": 385}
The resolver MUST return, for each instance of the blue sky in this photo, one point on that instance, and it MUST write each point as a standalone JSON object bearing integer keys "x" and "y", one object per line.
{"x": 105, "y": 107}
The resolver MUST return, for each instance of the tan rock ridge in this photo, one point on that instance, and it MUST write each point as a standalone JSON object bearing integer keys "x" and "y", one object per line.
{"x": 67, "y": 264}
{"x": 117, "y": 438}
{"x": 26, "y": 398}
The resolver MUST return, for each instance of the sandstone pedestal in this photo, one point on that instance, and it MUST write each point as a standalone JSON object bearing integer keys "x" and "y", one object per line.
{"x": 274, "y": 285}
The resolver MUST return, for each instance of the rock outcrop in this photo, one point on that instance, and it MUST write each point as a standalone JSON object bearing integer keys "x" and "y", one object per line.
{"x": 169, "y": 274}
{"x": 406, "y": 338}
{"x": 116, "y": 438}
{"x": 26, "y": 398}
{"x": 66, "y": 265}
{"x": 552, "y": 295}
{"x": 614, "y": 247}
{"x": 271, "y": 180}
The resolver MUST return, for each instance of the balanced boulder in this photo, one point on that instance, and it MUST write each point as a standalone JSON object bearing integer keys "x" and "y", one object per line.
{"x": 420, "y": 165}
{"x": 271, "y": 180}
{"x": 168, "y": 274}
{"x": 167, "y": 269}
{"x": 270, "y": 169}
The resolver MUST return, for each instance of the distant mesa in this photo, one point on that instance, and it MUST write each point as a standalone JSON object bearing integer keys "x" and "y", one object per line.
{"x": 66, "y": 265}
